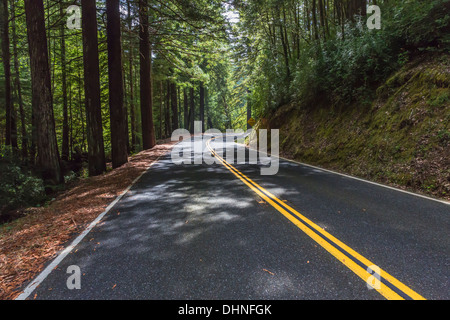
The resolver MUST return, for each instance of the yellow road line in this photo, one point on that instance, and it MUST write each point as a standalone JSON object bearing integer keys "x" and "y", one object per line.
{"x": 389, "y": 287}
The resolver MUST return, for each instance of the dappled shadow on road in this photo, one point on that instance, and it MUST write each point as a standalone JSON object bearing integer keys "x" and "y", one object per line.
{"x": 198, "y": 232}
{"x": 185, "y": 232}
{"x": 27, "y": 244}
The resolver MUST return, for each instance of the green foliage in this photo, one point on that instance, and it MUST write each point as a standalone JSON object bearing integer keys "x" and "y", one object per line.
{"x": 347, "y": 68}
{"x": 339, "y": 61}
{"x": 18, "y": 186}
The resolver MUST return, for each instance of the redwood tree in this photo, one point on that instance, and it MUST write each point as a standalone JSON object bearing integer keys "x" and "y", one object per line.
{"x": 48, "y": 161}
{"x": 148, "y": 131}
{"x": 118, "y": 118}
{"x": 11, "y": 132}
{"x": 96, "y": 151}
{"x": 174, "y": 105}
{"x": 202, "y": 106}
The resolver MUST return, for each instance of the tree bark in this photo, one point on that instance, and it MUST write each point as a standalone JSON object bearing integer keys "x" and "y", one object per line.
{"x": 48, "y": 156}
{"x": 202, "y": 106}
{"x": 314, "y": 20}
{"x": 11, "y": 129}
{"x": 168, "y": 124}
{"x": 249, "y": 110}
{"x": 161, "y": 107}
{"x": 148, "y": 130}
{"x": 96, "y": 150}
{"x": 19, "y": 88}
{"x": 119, "y": 134}
{"x": 174, "y": 104}
{"x": 65, "y": 133}
{"x": 192, "y": 110}
{"x": 131, "y": 63}
{"x": 186, "y": 109}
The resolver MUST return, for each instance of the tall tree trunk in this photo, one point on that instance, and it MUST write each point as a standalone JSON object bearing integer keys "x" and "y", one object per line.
{"x": 168, "y": 124}
{"x": 161, "y": 107}
{"x": 19, "y": 88}
{"x": 355, "y": 7}
{"x": 65, "y": 133}
{"x": 11, "y": 129}
{"x": 307, "y": 19}
{"x": 48, "y": 156}
{"x": 202, "y": 106}
{"x": 180, "y": 108}
{"x": 186, "y": 109}
{"x": 119, "y": 134}
{"x": 71, "y": 120}
{"x": 131, "y": 63}
{"x": 249, "y": 110}
{"x": 208, "y": 124}
{"x": 174, "y": 104}
{"x": 322, "y": 19}
{"x": 314, "y": 20}
{"x": 192, "y": 110}
{"x": 285, "y": 51}
{"x": 362, "y": 6}
{"x": 80, "y": 110}
{"x": 96, "y": 150}
{"x": 148, "y": 130}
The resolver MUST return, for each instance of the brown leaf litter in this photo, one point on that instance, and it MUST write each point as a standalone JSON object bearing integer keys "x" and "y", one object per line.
{"x": 28, "y": 243}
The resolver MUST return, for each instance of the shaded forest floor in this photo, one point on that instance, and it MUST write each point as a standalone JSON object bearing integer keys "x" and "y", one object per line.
{"x": 28, "y": 243}
{"x": 401, "y": 138}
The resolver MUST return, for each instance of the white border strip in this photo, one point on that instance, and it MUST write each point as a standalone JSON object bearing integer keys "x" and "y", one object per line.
{"x": 360, "y": 179}
{"x": 41, "y": 277}
{"x": 368, "y": 181}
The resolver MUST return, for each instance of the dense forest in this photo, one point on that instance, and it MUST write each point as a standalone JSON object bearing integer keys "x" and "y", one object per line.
{"x": 77, "y": 94}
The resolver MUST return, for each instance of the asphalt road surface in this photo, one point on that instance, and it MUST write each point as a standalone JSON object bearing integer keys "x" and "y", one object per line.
{"x": 224, "y": 231}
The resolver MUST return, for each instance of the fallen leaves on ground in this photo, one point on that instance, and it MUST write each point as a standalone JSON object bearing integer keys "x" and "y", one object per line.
{"x": 28, "y": 243}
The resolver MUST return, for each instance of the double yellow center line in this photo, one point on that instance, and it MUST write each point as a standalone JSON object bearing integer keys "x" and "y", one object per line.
{"x": 380, "y": 280}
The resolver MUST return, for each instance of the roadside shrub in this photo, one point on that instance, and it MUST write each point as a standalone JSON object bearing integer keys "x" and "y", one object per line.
{"x": 18, "y": 186}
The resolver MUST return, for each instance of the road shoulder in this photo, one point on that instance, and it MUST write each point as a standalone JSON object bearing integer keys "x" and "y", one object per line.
{"x": 29, "y": 243}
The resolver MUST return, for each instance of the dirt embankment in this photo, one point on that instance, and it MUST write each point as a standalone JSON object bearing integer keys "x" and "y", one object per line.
{"x": 401, "y": 139}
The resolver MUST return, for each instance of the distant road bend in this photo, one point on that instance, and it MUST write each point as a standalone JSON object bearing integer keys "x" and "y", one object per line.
{"x": 223, "y": 231}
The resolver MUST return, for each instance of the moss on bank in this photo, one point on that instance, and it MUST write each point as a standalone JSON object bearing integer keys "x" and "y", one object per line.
{"x": 402, "y": 138}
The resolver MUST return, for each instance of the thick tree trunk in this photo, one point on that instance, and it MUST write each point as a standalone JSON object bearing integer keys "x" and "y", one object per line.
{"x": 48, "y": 156}
{"x": 148, "y": 130}
{"x": 96, "y": 151}
{"x": 119, "y": 134}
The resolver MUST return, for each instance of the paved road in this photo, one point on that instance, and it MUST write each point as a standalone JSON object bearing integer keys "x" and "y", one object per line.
{"x": 204, "y": 232}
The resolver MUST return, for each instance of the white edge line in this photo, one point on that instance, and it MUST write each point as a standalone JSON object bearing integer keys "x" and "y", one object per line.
{"x": 41, "y": 277}
{"x": 360, "y": 179}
